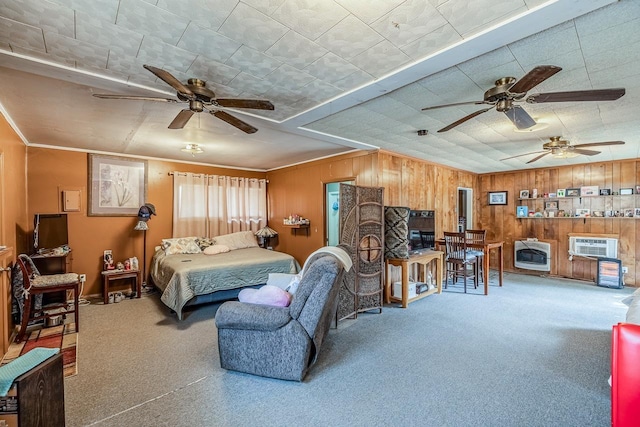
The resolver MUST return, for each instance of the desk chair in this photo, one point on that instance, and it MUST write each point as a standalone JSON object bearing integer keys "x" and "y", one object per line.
{"x": 478, "y": 237}
{"x": 36, "y": 284}
{"x": 458, "y": 259}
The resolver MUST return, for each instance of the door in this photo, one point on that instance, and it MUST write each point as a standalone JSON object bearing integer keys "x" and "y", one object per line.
{"x": 332, "y": 212}
{"x": 465, "y": 208}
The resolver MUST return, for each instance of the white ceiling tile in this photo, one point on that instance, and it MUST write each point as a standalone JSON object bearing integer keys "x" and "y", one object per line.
{"x": 433, "y": 42}
{"x": 349, "y": 37}
{"x": 489, "y": 60}
{"x": 311, "y": 18}
{"x": 159, "y": 54}
{"x": 381, "y": 59}
{"x": 207, "y": 42}
{"x": 608, "y": 17}
{"x": 467, "y": 17}
{"x": 306, "y": 50}
{"x": 408, "y": 22}
{"x": 69, "y": 62}
{"x": 248, "y": 83}
{"x": 206, "y": 13}
{"x": 265, "y": 6}
{"x": 252, "y": 28}
{"x": 369, "y": 10}
{"x": 611, "y": 38}
{"x": 289, "y": 77}
{"x": 537, "y": 48}
{"x": 105, "y": 10}
{"x": 18, "y": 34}
{"x": 140, "y": 16}
{"x": 82, "y": 52}
{"x": 111, "y": 36}
{"x": 331, "y": 68}
{"x": 42, "y": 14}
{"x": 253, "y": 62}
{"x": 212, "y": 71}
{"x": 353, "y": 80}
{"x": 608, "y": 59}
{"x": 320, "y": 91}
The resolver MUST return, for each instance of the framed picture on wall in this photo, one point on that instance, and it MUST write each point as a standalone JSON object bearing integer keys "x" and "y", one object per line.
{"x": 117, "y": 185}
{"x": 572, "y": 192}
{"x": 497, "y": 197}
{"x": 551, "y": 205}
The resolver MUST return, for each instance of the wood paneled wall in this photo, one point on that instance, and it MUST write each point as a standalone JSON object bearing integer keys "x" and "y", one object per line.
{"x": 502, "y": 223}
{"x": 406, "y": 181}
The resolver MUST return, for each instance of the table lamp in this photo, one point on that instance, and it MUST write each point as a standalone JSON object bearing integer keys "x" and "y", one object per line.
{"x": 266, "y": 233}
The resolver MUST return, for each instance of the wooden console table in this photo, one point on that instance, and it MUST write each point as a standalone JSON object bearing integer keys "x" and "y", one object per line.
{"x": 423, "y": 259}
{"x": 135, "y": 276}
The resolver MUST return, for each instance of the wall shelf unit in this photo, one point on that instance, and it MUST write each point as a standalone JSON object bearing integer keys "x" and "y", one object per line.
{"x": 296, "y": 227}
{"x": 613, "y": 206}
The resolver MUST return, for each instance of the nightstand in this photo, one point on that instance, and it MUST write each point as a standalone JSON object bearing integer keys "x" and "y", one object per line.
{"x": 134, "y": 276}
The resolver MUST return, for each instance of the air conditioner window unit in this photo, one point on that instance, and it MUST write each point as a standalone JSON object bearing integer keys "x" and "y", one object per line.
{"x": 593, "y": 246}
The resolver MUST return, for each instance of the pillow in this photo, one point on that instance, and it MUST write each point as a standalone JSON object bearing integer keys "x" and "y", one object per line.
{"x": 180, "y": 245}
{"x": 266, "y": 295}
{"x": 239, "y": 240}
{"x": 215, "y": 249}
{"x": 204, "y": 242}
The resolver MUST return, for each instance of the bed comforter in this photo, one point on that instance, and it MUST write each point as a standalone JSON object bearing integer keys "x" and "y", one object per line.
{"x": 181, "y": 277}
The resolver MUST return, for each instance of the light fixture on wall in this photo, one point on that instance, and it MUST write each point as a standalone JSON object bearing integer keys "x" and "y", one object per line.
{"x": 193, "y": 149}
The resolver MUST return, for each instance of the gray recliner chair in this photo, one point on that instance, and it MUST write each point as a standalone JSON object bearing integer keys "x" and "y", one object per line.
{"x": 281, "y": 342}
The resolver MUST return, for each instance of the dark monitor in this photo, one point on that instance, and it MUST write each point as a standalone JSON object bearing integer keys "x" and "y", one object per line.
{"x": 49, "y": 231}
{"x": 422, "y": 229}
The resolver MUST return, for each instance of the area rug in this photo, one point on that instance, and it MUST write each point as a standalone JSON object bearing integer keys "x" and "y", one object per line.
{"x": 63, "y": 337}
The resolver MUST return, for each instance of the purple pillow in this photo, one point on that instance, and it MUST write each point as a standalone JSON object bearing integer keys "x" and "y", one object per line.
{"x": 266, "y": 295}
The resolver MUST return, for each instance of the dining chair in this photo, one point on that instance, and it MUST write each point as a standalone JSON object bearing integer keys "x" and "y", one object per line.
{"x": 477, "y": 237}
{"x": 36, "y": 284}
{"x": 459, "y": 259}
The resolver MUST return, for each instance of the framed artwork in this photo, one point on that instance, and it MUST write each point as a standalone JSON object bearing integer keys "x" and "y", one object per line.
{"x": 552, "y": 195}
{"x": 582, "y": 212}
{"x": 588, "y": 190}
{"x": 117, "y": 185}
{"x": 560, "y": 192}
{"x": 522, "y": 211}
{"x": 628, "y": 213}
{"x": 636, "y": 212}
{"x": 637, "y": 189}
{"x": 605, "y": 191}
{"x": 498, "y": 197}
{"x": 524, "y": 194}
{"x": 572, "y": 192}
{"x": 107, "y": 258}
{"x": 626, "y": 191}
{"x": 551, "y": 205}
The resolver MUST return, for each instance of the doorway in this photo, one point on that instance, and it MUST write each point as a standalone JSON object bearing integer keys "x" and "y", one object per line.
{"x": 465, "y": 208}
{"x": 332, "y": 211}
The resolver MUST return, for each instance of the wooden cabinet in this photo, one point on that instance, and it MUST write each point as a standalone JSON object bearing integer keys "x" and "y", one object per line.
{"x": 53, "y": 264}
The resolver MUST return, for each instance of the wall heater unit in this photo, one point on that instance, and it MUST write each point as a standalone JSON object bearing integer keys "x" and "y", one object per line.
{"x": 606, "y": 247}
{"x": 532, "y": 255}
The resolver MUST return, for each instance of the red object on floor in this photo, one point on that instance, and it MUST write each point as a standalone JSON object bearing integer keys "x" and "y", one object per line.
{"x": 625, "y": 375}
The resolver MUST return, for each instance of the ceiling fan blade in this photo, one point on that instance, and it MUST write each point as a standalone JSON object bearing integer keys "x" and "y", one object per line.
{"x": 520, "y": 118}
{"x": 525, "y": 154}
{"x": 258, "y": 104}
{"x": 455, "y": 104}
{"x": 234, "y": 121}
{"x": 538, "y": 157}
{"x": 596, "y": 144}
{"x": 464, "y": 119}
{"x": 577, "y": 95}
{"x": 181, "y": 119}
{"x": 170, "y": 80}
{"x": 585, "y": 152}
{"x": 534, "y": 78}
{"x": 135, "y": 98}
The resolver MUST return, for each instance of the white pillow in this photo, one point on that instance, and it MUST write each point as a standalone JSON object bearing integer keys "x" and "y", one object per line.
{"x": 239, "y": 240}
{"x": 181, "y": 245}
{"x": 216, "y": 249}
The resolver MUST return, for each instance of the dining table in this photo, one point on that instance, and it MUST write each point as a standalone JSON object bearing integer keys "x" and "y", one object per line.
{"x": 486, "y": 248}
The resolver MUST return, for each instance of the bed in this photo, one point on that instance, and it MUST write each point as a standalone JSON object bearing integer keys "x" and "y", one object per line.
{"x": 185, "y": 278}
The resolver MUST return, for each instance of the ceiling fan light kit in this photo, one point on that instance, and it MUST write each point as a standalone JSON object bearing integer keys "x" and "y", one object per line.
{"x": 562, "y": 149}
{"x": 200, "y": 98}
{"x": 508, "y": 91}
{"x": 193, "y": 149}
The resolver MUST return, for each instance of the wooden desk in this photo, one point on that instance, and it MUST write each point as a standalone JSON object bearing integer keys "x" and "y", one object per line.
{"x": 423, "y": 259}
{"x": 134, "y": 275}
{"x": 486, "y": 248}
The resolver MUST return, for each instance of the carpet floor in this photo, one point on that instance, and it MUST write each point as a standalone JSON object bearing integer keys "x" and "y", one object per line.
{"x": 62, "y": 336}
{"x": 535, "y": 352}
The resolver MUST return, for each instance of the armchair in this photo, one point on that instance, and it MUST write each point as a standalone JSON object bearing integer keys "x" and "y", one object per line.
{"x": 281, "y": 342}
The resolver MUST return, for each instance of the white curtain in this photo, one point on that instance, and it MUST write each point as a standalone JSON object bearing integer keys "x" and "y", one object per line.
{"x": 214, "y": 205}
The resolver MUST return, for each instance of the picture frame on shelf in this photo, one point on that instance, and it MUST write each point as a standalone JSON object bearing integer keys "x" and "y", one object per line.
{"x": 588, "y": 190}
{"x": 628, "y": 213}
{"x": 522, "y": 211}
{"x": 626, "y": 191}
{"x": 107, "y": 258}
{"x": 524, "y": 194}
{"x": 553, "y": 205}
{"x": 583, "y": 212}
{"x": 605, "y": 191}
{"x": 636, "y": 212}
{"x": 534, "y": 193}
{"x": 597, "y": 214}
{"x": 637, "y": 189}
{"x": 572, "y": 192}
{"x": 552, "y": 195}
{"x": 497, "y": 197}
{"x": 560, "y": 192}
{"x": 117, "y": 185}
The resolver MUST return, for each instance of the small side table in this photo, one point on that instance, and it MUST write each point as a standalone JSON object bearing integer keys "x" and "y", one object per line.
{"x": 135, "y": 276}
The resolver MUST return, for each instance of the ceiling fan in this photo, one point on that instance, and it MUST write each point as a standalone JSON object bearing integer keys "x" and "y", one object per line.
{"x": 200, "y": 98}
{"x": 507, "y": 91}
{"x": 561, "y": 148}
